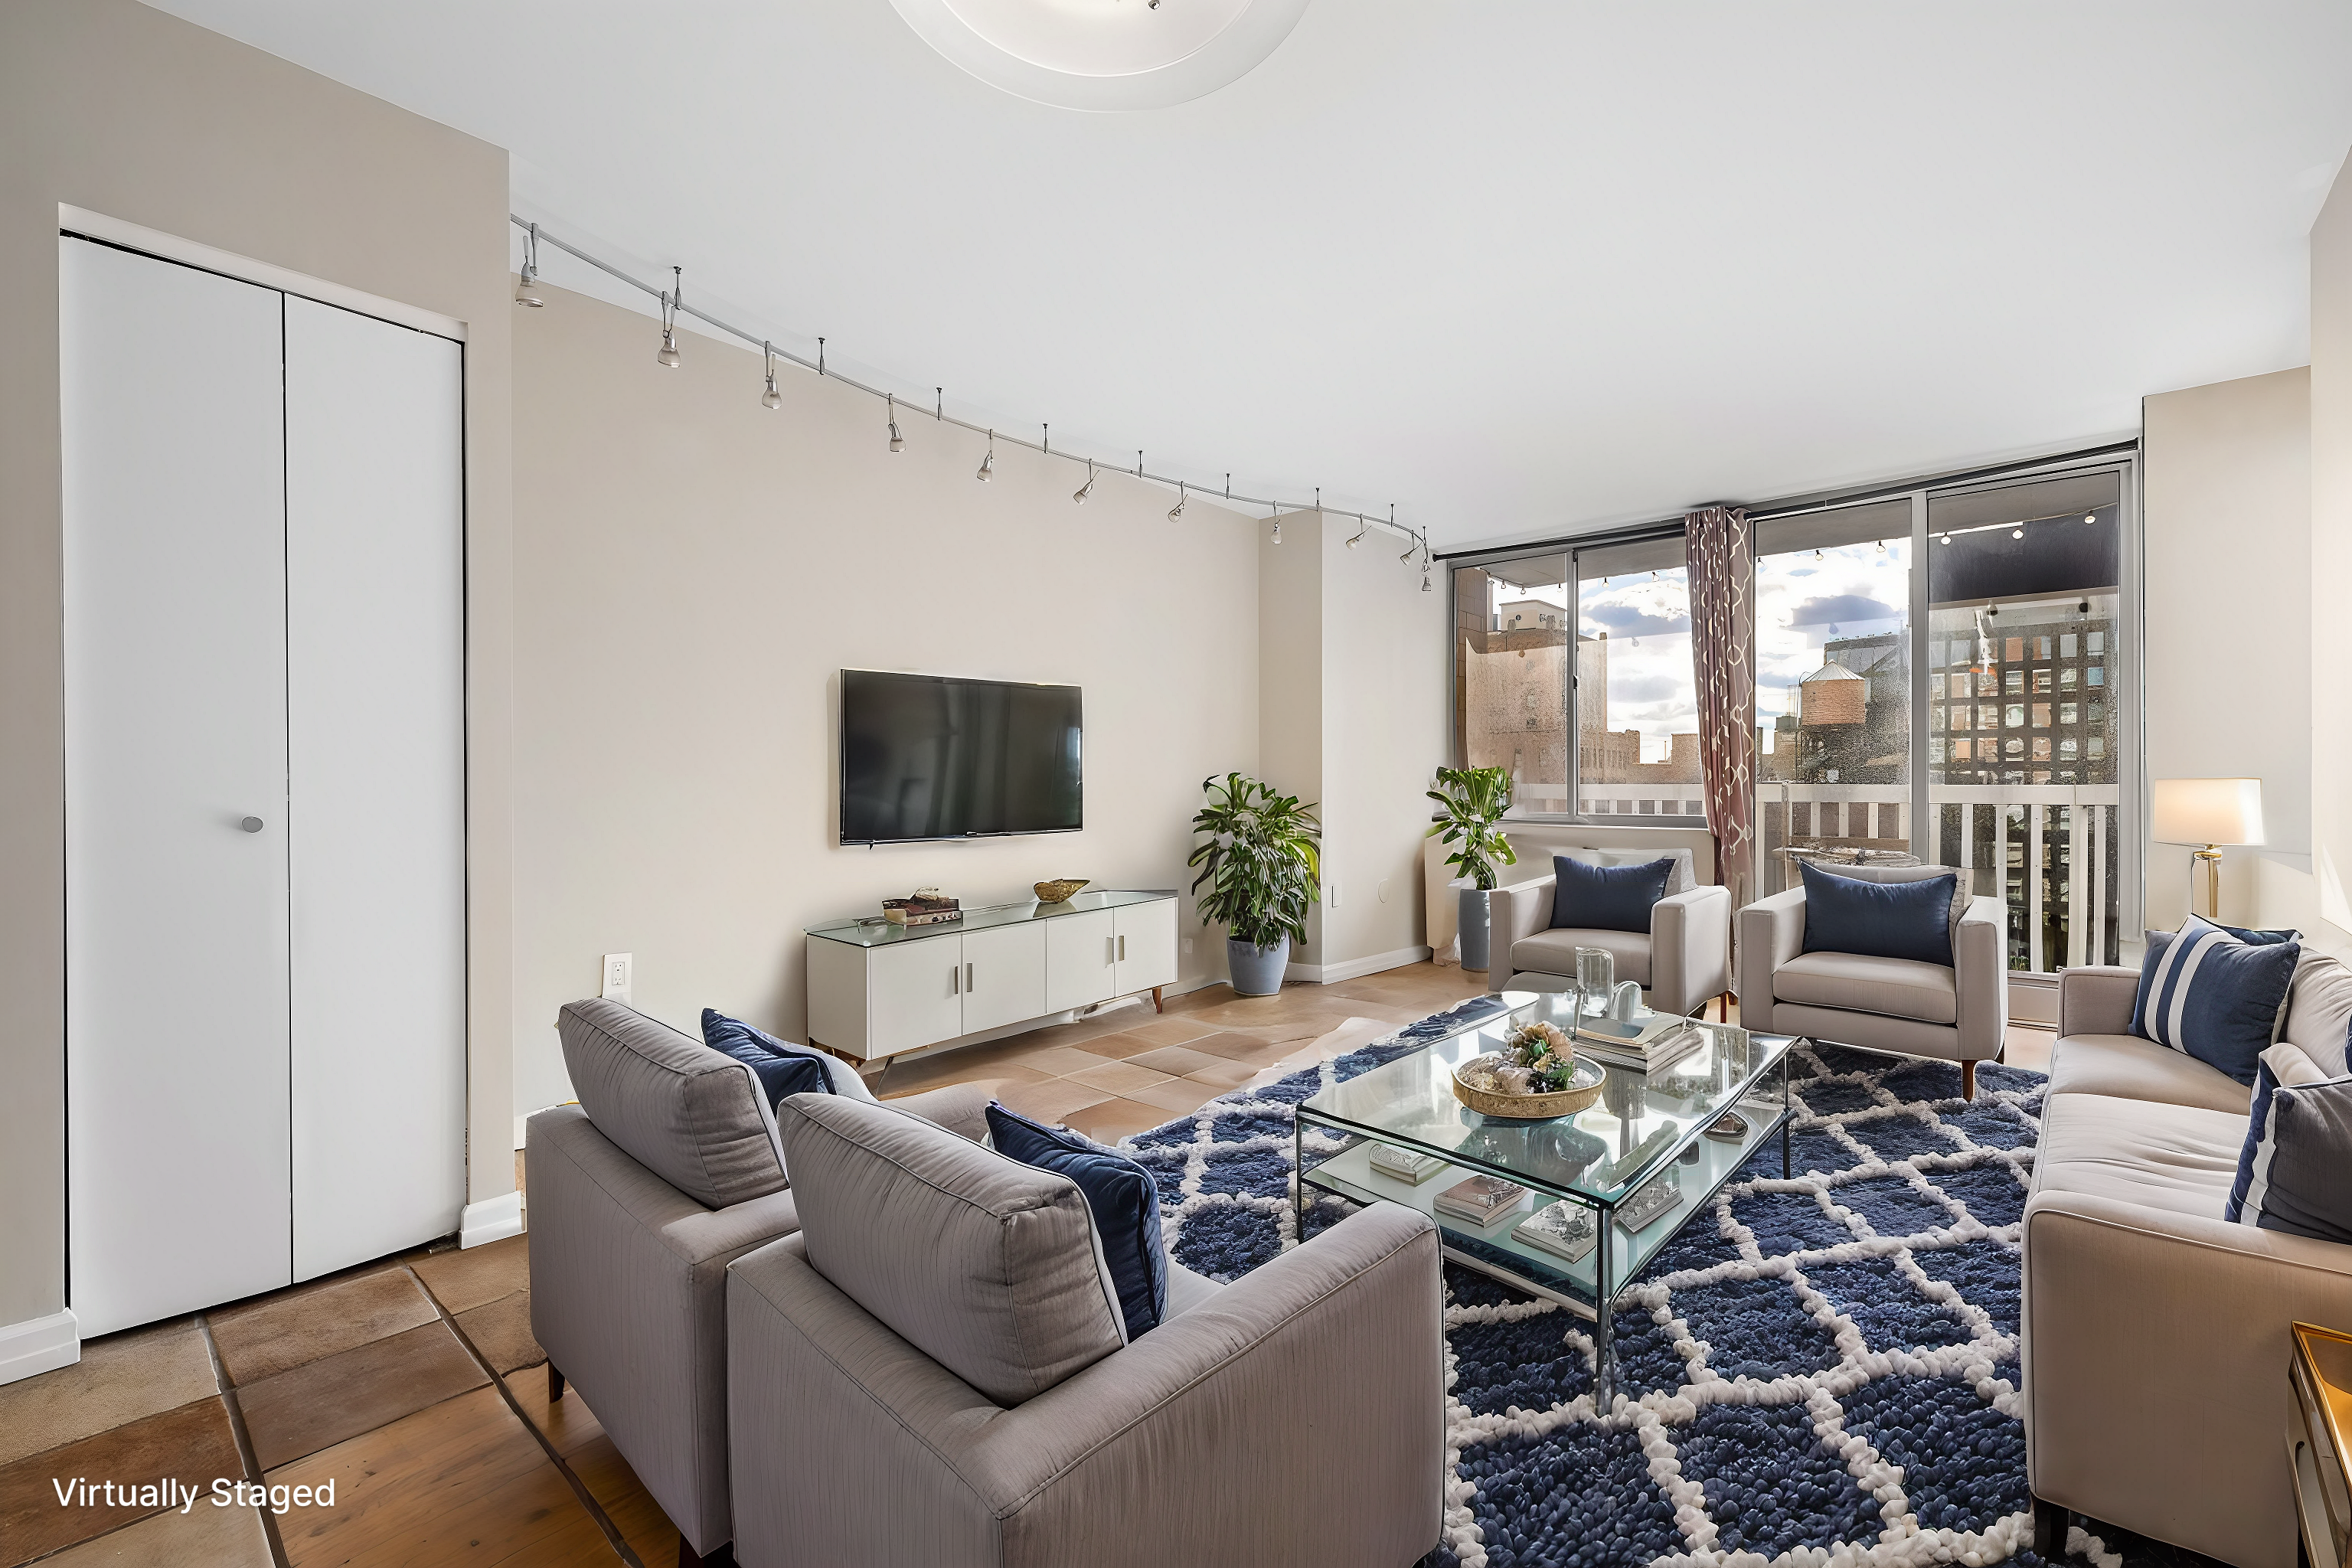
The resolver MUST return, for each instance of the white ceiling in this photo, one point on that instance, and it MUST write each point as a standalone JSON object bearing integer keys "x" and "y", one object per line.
{"x": 1518, "y": 266}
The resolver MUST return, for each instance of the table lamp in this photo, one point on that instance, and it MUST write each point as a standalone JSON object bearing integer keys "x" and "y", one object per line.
{"x": 2209, "y": 813}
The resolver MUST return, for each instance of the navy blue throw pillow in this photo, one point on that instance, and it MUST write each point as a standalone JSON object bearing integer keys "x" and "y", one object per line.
{"x": 1120, "y": 1193}
{"x": 2290, "y": 1175}
{"x": 2206, "y": 994}
{"x": 788, "y": 1071}
{"x": 1879, "y": 920}
{"x": 1606, "y": 898}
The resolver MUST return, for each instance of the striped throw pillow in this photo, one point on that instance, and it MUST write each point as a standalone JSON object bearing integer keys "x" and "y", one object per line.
{"x": 2290, "y": 1176}
{"x": 2207, "y": 993}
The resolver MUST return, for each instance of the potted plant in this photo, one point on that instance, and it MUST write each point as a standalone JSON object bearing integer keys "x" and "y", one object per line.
{"x": 1471, "y": 803}
{"x": 1262, "y": 869}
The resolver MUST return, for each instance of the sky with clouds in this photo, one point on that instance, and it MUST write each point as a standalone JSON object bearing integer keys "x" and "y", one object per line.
{"x": 1801, "y": 602}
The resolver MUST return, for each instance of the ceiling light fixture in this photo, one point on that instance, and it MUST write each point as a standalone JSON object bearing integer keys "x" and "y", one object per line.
{"x": 1363, "y": 526}
{"x": 527, "y": 286}
{"x": 2018, "y": 532}
{"x": 1105, "y": 57}
{"x": 1278, "y": 522}
{"x": 1178, "y": 510}
{"x": 771, "y": 399}
{"x": 2092, "y": 516}
{"x": 1947, "y": 539}
{"x": 1084, "y": 490}
{"x": 668, "y": 357}
{"x": 987, "y": 463}
{"x": 897, "y": 442}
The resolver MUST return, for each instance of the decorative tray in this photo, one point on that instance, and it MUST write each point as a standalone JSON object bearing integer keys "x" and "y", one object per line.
{"x": 1585, "y": 1080}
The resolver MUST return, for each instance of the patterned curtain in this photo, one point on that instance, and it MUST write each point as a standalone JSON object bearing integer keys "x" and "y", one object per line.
{"x": 1723, "y": 656}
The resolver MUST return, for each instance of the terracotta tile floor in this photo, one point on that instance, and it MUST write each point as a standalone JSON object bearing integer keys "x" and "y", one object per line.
{"x": 413, "y": 1384}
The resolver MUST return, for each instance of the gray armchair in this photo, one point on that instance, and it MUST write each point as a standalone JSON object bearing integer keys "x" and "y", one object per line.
{"x": 1957, "y": 1012}
{"x": 929, "y": 1374}
{"x": 1682, "y": 962}
{"x": 667, "y": 1171}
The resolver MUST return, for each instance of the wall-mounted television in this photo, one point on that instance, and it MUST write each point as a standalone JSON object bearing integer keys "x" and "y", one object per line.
{"x": 930, "y": 756}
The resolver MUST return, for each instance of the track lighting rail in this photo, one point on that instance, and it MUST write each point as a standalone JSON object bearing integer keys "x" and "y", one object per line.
{"x": 675, "y": 305}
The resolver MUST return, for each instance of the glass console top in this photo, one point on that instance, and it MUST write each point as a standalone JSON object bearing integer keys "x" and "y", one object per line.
{"x": 1410, "y": 1102}
{"x": 881, "y": 934}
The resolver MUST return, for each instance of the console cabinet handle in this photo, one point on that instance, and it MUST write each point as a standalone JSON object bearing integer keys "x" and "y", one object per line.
{"x": 1122, "y": 947}
{"x": 967, "y": 977}
{"x": 955, "y": 980}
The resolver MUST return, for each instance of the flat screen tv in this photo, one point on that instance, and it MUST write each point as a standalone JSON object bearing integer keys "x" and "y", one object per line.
{"x": 930, "y": 756}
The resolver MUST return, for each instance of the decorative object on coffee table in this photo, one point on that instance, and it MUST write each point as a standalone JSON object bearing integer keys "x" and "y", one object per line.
{"x": 1534, "y": 1075}
{"x": 1471, "y": 803}
{"x": 1262, "y": 867}
{"x": 1059, "y": 890}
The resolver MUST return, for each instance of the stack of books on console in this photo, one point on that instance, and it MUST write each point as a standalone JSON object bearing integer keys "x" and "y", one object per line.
{"x": 1648, "y": 1045}
{"x": 1480, "y": 1201}
{"x": 928, "y": 907}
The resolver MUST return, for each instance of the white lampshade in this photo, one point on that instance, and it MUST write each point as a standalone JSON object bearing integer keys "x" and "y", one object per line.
{"x": 2208, "y": 811}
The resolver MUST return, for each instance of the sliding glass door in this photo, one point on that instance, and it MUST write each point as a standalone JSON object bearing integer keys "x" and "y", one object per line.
{"x": 2028, "y": 720}
{"x": 1833, "y": 689}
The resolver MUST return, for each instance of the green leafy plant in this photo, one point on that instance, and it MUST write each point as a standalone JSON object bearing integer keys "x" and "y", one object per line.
{"x": 1473, "y": 801}
{"x": 1260, "y": 861}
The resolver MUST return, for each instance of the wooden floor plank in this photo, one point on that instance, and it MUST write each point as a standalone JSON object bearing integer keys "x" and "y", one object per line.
{"x": 574, "y": 1431}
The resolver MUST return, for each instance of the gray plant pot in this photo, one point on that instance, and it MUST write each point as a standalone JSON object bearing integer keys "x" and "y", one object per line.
{"x": 1256, "y": 971}
{"x": 1472, "y": 926}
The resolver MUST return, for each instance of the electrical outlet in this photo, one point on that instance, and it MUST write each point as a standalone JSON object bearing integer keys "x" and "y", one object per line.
{"x": 620, "y": 976}
{"x": 1188, "y": 947}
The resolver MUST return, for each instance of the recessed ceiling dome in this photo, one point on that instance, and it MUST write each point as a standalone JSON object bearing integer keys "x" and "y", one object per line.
{"x": 1105, "y": 54}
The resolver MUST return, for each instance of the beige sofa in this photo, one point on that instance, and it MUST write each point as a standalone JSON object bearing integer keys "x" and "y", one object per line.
{"x": 1957, "y": 1012}
{"x": 2156, "y": 1332}
{"x": 1682, "y": 962}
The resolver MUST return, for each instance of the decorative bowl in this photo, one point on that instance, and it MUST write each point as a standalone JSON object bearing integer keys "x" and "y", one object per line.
{"x": 1055, "y": 891}
{"x": 1584, "y": 1088}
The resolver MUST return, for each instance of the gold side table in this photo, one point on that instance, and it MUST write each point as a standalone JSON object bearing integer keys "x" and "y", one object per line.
{"x": 2319, "y": 1423}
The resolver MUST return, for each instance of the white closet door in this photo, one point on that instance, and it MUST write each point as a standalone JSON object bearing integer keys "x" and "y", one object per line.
{"x": 175, "y": 734}
{"x": 375, "y": 640}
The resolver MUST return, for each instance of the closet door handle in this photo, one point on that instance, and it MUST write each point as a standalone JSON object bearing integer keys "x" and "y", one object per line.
{"x": 967, "y": 977}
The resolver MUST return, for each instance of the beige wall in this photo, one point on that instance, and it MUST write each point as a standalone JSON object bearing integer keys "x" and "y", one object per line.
{"x": 1290, "y": 679}
{"x": 693, "y": 570}
{"x": 2226, "y": 501}
{"x": 109, "y": 106}
{"x": 1383, "y": 721}
{"x": 2331, "y": 561}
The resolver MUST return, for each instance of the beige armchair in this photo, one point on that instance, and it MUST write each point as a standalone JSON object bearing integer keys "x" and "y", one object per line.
{"x": 640, "y": 1197}
{"x": 929, "y": 1374}
{"x": 1957, "y": 1012}
{"x": 1682, "y": 962}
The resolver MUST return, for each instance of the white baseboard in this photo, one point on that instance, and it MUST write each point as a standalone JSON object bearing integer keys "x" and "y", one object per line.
{"x": 494, "y": 1219}
{"x": 39, "y": 1344}
{"x": 1354, "y": 968}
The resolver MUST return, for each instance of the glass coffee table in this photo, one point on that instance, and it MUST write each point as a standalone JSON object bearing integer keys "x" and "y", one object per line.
{"x": 1644, "y": 1130}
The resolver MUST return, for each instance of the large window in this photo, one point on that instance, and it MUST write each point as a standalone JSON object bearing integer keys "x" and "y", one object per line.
{"x": 1834, "y": 688}
{"x": 1636, "y": 703}
{"x": 1943, "y": 675}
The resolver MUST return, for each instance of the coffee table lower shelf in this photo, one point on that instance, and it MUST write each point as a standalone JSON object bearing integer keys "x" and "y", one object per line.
{"x": 1492, "y": 1250}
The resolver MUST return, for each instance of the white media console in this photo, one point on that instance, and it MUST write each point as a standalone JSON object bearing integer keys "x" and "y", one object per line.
{"x": 876, "y": 990}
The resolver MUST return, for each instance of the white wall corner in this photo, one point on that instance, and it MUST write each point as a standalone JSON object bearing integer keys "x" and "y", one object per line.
{"x": 1354, "y": 968}
{"x": 39, "y": 1344}
{"x": 494, "y": 1219}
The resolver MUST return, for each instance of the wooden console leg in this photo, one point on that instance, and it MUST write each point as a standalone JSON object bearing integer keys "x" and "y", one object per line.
{"x": 2048, "y": 1528}
{"x": 1967, "y": 1080}
{"x": 1155, "y": 999}
{"x": 554, "y": 1383}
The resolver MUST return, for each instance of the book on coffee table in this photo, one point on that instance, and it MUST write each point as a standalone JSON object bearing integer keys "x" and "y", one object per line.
{"x": 1566, "y": 1230}
{"x": 1404, "y": 1164}
{"x": 1658, "y": 1049}
{"x": 1480, "y": 1200}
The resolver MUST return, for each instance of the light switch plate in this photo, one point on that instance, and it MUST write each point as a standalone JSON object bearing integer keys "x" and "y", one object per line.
{"x": 620, "y": 976}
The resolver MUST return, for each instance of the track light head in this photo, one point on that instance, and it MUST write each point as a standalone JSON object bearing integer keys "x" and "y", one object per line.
{"x": 987, "y": 462}
{"x": 1084, "y": 490}
{"x": 772, "y": 399}
{"x": 668, "y": 356}
{"x": 2018, "y": 532}
{"x": 1278, "y": 530}
{"x": 527, "y": 286}
{"x": 1947, "y": 539}
{"x": 897, "y": 442}
{"x": 1178, "y": 510}
{"x": 2091, "y": 516}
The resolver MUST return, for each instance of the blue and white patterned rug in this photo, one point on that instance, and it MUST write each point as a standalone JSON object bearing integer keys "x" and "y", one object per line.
{"x": 1823, "y": 1373}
